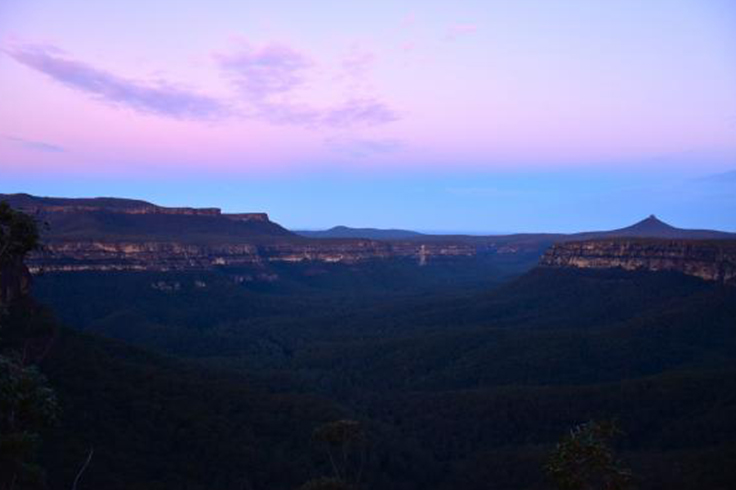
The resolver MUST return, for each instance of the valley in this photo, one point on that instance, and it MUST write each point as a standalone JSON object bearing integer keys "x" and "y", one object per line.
{"x": 413, "y": 245}
{"x": 235, "y": 344}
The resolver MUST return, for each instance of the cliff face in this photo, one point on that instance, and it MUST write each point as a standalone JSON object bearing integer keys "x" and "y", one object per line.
{"x": 111, "y": 234}
{"x": 712, "y": 260}
{"x": 89, "y": 255}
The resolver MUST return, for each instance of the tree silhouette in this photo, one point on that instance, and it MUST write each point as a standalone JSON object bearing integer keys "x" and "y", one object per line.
{"x": 584, "y": 459}
{"x": 325, "y": 483}
{"x": 27, "y": 404}
{"x": 18, "y": 234}
{"x": 345, "y": 444}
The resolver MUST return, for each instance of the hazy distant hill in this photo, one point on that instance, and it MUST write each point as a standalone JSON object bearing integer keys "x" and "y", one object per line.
{"x": 368, "y": 233}
{"x": 652, "y": 227}
{"x": 109, "y": 218}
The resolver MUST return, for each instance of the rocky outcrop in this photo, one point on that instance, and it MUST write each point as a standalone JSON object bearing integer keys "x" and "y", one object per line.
{"x": 138, "y": 256}
{"x": 145, "y": 209}
{"x": 712, "y": 260}
{"x": 261, "y": 217}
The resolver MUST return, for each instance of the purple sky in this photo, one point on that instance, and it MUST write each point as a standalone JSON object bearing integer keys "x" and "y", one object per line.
{"x": 468, "y": 115}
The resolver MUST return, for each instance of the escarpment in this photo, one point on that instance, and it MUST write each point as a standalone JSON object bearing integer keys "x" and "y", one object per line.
{"x": 85, "y": 255}
{"x": 712, "y": 260}
{"x": 112, "y": 234}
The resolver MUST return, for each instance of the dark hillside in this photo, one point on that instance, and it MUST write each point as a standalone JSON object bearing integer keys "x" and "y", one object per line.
{"x": 159, "y": 423}
{"x": 477, "y": 387}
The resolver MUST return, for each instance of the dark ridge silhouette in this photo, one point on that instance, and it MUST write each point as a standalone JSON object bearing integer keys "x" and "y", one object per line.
{"x": 115, "y": 219}
{"x": 653, "y": 227}
{"x": 366, "y": 233}
{"x": 28, "y": 202}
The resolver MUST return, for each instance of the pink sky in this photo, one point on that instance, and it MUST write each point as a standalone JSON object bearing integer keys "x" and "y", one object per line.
{"x": 247, "y": 88}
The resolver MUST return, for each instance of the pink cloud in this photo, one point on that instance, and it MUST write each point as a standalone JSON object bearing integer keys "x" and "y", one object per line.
{"x": 363, "y": 147}
{"x": 264, "y": 72}
{"x": 35, "y": 145}
{"x": 358, "y": 63}
{"x": 161, "y": 98}
{"x": 273, "y": 79}
{"x": 409, "y": 19}
{"x": 459, "y": 30}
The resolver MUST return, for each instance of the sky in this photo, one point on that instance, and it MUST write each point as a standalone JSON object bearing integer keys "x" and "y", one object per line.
{"x": 471, "y": 115}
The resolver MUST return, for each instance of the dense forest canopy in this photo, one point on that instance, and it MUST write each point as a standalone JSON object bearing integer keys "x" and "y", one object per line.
{"x": 333, "y": 381}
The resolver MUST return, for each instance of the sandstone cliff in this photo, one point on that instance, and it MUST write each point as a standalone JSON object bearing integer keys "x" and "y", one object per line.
{"x": 123, "y": 234}
{"x": 712, "y": 260}
{"x": 129, "y": 235}
{"x": 89, "y": 255}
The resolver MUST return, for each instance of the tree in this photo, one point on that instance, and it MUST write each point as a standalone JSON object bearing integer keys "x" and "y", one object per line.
{"x": 19, "y": 234}
{"x": 342, "y": 438}
{"x": 584, "y": 459}
{"x": 325, "y": 483}
{"x": 27, "y": 404}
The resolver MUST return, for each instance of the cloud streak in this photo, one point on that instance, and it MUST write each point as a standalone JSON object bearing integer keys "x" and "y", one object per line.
{"x": 160, "y": 98}
{"x": 263, "y": 73}
{"x": 271, "y": 82}
{"x": 362, "y": 148}
{"x": 36, "y": 145}
{"x": 459, "y": 30}
{"x": 272, "y": 78}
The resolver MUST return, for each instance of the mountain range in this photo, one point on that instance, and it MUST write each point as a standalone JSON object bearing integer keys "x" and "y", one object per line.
{"x": 116, "y": 217}
{"x": 105, "y": 234}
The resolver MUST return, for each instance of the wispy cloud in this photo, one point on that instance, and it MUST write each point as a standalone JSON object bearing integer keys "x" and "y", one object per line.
{"x": 275, "y": 79}
{"x": 361, "y": 147}
{"x": 486, "y": 192}
{"x": 266, "y": 72}
{"x": 160, "y": 97}
{"x": 722, "y": 178}
{"x": 409, "y": 20}
{"x": 35, "y": 145}
{"x": 358, "y": 63}
{"x": 458, "y": 30}
{"x": 272, "y": 82}
{"x": 368, "y": 111}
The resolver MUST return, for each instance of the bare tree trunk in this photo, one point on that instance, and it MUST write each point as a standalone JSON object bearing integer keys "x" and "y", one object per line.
{"x": 334, "y": 465}
{"x": 84, "y": 467}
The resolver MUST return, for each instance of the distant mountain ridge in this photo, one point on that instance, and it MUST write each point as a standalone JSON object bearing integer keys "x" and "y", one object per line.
{"x": 368, "y": 233}
{"x": 103, "y": 234}
{"x": 653, "y": 227}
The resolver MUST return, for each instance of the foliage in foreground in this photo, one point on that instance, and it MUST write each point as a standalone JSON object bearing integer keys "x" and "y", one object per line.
{"x": 27, "y": 403}
{"x": 585, "y": 459}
